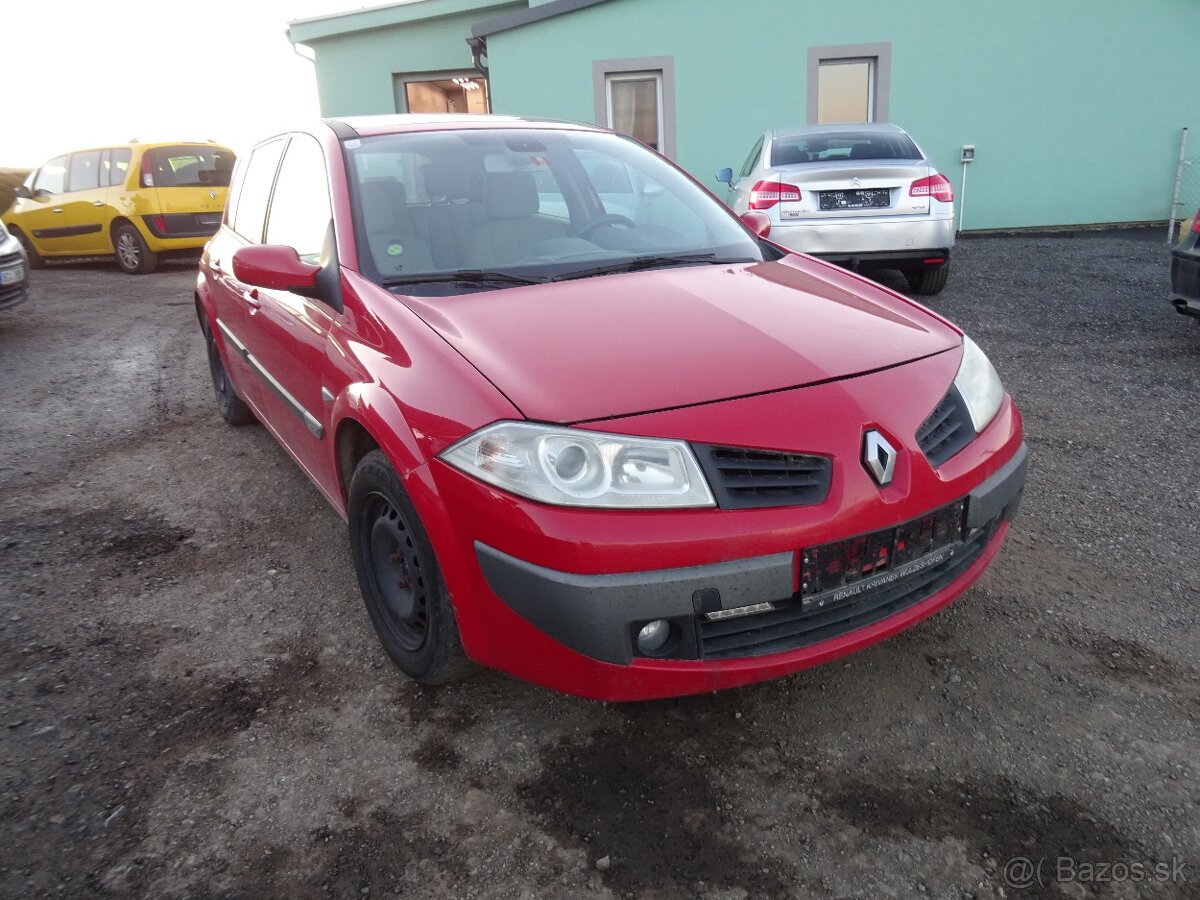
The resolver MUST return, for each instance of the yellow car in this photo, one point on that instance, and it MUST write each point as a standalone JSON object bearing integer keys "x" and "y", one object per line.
{"x": 138, "y": 201}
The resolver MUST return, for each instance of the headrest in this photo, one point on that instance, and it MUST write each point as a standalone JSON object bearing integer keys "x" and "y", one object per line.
{"x": 385, "y": 204}
{"x": 510, "y": 195}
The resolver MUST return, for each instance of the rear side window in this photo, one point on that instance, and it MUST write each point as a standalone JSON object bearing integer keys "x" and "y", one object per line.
{"x": 752, "y": 159}
{"x": 832, "y": 146}
{"x": 251, "y": 210}
{"x": 300, "y": 207}
{"x": 116, "y": 166}
{"x": 85, "y": 171}
{"x": 187, "y": 166}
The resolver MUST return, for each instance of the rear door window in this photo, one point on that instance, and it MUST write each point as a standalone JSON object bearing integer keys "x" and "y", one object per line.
{"x": 251, "y": 212}
{"x": 187, "y": 166}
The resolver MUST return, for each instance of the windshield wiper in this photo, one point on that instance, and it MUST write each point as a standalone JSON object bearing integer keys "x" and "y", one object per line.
{"x": 639, "y": 263}
{"x": 462, "y": 276}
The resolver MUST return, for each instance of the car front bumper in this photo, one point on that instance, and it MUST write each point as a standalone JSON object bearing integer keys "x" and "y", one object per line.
{"x": 600, "y": 615}
{"x": 14, "y": 273}
{"x": 1185, "y": 276}
{"x": 556, "y": 595}
{"x": 880, "y": 238}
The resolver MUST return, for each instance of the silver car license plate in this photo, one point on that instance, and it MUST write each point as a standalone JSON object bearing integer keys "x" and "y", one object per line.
{"x": 864, "y": 198}
{"x": 12, "y": 276}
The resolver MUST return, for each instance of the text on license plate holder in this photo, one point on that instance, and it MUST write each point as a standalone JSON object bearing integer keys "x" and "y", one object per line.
{"x": 862, "y": 198}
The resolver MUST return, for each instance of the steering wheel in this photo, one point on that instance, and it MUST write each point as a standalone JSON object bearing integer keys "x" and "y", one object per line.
{"x": 607, "y": 219}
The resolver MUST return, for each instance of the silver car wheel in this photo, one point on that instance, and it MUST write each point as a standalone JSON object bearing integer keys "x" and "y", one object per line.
{"x": 128, "y": 250}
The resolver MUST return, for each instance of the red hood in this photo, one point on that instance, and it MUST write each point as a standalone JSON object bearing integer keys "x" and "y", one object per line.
{"x": 622, "y": 344}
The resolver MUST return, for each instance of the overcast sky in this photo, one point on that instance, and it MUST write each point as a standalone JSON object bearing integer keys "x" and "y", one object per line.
{"x": 81, "y": 74}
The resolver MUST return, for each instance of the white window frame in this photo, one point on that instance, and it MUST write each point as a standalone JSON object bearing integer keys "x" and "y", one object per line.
{"x": 612, "y": 78}
{"x": 605, "y": 71}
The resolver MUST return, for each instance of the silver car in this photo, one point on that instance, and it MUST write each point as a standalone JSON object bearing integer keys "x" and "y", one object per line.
{"x": 863, "y": 195}
{"x": 14, "y": 270}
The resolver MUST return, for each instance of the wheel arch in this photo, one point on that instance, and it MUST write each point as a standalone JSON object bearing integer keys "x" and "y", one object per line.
{"x": 369, "y": 418}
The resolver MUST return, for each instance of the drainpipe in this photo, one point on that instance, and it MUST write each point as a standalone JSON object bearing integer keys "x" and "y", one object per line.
{"x": 478, "y": 47}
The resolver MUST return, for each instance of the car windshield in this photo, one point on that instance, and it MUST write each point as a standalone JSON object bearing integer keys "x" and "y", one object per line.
{"x": 187, "y": 166}
{"x": 451, "y": 211}
{"x": 836, "y": 146}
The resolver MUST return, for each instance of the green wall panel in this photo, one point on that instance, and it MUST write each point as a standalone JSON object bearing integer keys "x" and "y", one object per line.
{"x": 1074, "y": 106}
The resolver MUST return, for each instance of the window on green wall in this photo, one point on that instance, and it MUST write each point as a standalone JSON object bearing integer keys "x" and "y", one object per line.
{"x": 849, "y": 83}
{"x": 635, "y": 106}
{"x": 845, "y": 90}
{"x": 636, "y": 96}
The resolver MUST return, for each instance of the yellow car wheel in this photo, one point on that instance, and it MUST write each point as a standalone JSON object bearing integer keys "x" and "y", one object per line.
{"x": 133, "y": 256}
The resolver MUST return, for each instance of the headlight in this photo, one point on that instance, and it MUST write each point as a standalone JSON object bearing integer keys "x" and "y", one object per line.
{"x": 568, "y": 467}
{"x": 979, "y": 385}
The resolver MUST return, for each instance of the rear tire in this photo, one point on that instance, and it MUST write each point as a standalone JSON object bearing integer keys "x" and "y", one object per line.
{"x": 928, "y": 281}
{"x": 231, "y": 407}
{"x": 133, "y": 256}
{"x": 36, "y": 260}
{"x": 399, "y": 577}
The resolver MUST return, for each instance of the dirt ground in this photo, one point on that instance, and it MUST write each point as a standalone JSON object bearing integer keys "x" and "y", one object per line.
{"x": 194, "y": 704}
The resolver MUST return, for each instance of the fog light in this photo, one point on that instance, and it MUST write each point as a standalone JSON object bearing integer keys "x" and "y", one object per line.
{"x": 653, "y": 637}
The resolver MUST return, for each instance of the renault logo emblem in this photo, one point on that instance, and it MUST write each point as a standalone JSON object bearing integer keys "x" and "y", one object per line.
{"x": 212, "y": 195}
{"x": 879, "y": 457}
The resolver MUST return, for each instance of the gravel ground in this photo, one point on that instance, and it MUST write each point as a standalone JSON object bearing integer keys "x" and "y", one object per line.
{"x": 194, "y": 704}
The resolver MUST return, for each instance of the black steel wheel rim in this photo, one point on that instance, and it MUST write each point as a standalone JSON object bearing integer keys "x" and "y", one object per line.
{"x": 395, "y": 573}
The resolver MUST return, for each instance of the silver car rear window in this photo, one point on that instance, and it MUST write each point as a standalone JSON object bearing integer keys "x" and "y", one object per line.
{"x": 840, "y": 146}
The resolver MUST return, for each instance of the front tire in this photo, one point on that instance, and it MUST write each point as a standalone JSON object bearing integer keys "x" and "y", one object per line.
{"x": 36, "y": 260}
{"x": 133, "y": 256}
{"x": 399, "y": 577}
{"x": 928, "y": 281}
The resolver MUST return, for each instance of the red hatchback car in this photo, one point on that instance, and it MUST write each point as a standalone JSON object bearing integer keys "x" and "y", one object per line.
{"x": 587, "y": 426}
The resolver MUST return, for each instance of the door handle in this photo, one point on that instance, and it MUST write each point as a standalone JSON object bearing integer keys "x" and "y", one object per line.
{"x": 97, "y": 203}
{"x": 58, "y": 209}
{"x": 251, "y": 298}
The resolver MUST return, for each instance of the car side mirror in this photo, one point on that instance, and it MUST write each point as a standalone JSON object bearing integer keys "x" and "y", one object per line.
{"x": 23, "y": 192}
{"x": 759, "y": 223}
{"x": 275, "y": 268}
{"x": 725, "y": 176}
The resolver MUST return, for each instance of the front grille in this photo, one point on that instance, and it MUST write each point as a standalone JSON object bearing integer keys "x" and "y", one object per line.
{"x": 753, "y": 479}
{"x": 844, "y": 585}
{"x": 947, "y": 430}
{"x": 10, "y": 259}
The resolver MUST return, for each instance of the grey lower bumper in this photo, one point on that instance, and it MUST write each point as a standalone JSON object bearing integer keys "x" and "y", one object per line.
{"x": 1000, "y": 494}
{"x": 599, "y": 615}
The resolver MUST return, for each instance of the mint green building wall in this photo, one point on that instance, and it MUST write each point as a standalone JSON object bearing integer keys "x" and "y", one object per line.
{"x": 1075, "y": 106}
{"x": 355, "y": 68}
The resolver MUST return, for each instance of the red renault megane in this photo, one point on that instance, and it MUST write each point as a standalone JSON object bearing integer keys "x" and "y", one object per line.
{"x": 587, "y": 426}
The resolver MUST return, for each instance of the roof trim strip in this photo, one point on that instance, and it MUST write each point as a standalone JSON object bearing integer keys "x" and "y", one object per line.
{"x": 517, "y": 19}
